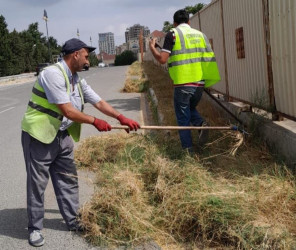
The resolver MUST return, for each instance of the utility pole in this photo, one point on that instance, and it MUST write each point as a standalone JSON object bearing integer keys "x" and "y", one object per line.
{"x": 78, "y": 33}
{"x": 141, "y": 44}
{"x": 45, "y": 18}
{"x": 90, "y": 41}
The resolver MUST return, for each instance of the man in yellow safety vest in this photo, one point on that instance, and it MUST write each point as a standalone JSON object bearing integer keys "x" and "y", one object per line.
{"x": 192, "y": 66}
{"x": 54, "y": 115}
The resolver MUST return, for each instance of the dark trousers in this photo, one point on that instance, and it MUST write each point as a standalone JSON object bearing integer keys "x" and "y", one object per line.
{"x": 185, "y": 102}
{"x": 57, "y": 160}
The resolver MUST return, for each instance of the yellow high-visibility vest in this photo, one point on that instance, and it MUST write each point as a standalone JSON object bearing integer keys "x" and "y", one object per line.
{"x": 192, "y": 58}
{"x": 42, "y": 119}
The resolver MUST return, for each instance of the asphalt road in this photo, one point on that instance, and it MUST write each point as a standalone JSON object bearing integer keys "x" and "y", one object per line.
{"x": 107, "y": 82}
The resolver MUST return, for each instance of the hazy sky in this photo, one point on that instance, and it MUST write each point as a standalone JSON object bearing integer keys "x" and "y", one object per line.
{"x": 90, "y": 16}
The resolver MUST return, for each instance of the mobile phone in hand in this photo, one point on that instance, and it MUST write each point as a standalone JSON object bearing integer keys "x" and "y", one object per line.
{"x": 156, "y": 43}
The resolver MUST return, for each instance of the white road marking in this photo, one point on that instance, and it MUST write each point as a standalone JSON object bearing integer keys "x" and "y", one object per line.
{"x": 6, "y": 110}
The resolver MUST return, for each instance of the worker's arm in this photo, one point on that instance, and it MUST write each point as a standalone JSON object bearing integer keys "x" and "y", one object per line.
{"x": 74, "y": 114}
{"x": 162, "y": 56}
{"x": 107, "y": 109}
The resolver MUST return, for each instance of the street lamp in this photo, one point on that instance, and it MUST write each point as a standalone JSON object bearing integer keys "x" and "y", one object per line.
{"x": 45, "y": 18}
{"x": 90, "y": 41}
{"x": 78, "y": 33}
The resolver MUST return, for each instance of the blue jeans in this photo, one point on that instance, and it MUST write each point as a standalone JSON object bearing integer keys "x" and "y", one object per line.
{"x": 185, "y": 102}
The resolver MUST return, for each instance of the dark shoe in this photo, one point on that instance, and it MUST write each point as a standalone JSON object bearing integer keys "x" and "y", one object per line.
{"x": 203, "y": 135}
{"x": 77, "y": 228}
{"x": 36, "y": 239}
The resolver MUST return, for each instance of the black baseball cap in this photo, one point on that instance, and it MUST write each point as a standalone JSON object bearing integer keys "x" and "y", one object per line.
{"x": 73, "y": 45}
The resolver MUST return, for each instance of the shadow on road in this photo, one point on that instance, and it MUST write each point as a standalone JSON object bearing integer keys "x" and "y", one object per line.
{"x": 132, "y": 104}
{"x": 13, "y": 222}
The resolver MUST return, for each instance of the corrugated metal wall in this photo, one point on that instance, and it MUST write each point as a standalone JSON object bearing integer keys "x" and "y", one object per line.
{"x": 248, "y": 75}
{"x": 194, "y": 21}
{"x": 283, "y": 51}
{"x": 211, "y": 26}
{"x": 252, "y": 79}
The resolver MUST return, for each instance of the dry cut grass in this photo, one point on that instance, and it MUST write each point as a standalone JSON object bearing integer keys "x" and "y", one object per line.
{"x": 135, "y": 79}
{"x": 149, "y": 189}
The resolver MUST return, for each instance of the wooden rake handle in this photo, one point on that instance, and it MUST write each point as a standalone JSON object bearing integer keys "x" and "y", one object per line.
{"x": 180, "y": 128}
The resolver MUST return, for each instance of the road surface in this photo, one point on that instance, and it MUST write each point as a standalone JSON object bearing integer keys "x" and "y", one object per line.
{"x": 107, "y": 82}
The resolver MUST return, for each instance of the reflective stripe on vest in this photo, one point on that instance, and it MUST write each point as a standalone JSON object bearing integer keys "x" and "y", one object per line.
{"x": 192, "y": 58}
{"x": 45, "y": 110}
{"x": 39, "y": 93}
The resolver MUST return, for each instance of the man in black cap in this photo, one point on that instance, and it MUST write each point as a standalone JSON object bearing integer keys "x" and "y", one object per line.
{"x": 54, "y": 115}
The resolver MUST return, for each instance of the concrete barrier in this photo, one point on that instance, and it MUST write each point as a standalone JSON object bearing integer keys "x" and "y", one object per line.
{"x": 280, "y": 136}
{"x": 15, "y": 77}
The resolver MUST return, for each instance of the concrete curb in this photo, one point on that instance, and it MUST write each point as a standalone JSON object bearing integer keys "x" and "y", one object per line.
{"x": 280, "y": 136}
{"x": 17, "y": 79}
{"x": 14, "y": 77}
{"x": 153, "y": 97}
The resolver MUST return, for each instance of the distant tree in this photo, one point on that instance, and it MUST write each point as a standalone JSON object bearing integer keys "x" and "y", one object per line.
{"x": 17, "y": 48}
{"x": 194, "y": 9}
{"x": 93, "y": 59}
{"x": 190, "y": 9}
{"x": 36, "y": 35}
{"x": 5, "y": 50}
{"x": 31, "y": 42}
{"x": 29, "y": 49}
{"x": 167, "y": 26}
{"x": 35, "y": 47}
{"x": 53, "y": 42}
{"x": 54, "y": 47}
{"x": 125, "y": 58}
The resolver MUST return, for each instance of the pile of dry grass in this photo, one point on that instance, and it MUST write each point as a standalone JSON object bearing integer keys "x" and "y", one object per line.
{"x": 91, "y": 157}
{"x": 135, "y": 69}
{"x": 135, "y": 81}
{"x": 147, "y": 192}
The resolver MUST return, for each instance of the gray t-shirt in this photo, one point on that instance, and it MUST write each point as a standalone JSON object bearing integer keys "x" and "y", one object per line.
{"x": 53, "y": 82}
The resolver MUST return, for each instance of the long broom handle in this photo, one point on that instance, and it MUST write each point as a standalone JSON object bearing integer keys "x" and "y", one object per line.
{"x": 181, "y": 128}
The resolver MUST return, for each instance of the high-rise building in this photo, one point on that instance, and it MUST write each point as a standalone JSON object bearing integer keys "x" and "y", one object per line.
{"x": 106, "y": 43}
{"x": 132, "y": 35}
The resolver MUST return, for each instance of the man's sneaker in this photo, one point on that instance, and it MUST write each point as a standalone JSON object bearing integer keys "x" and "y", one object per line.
{"x": 203, "y": 135}
{"x": 36, "y": 239}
